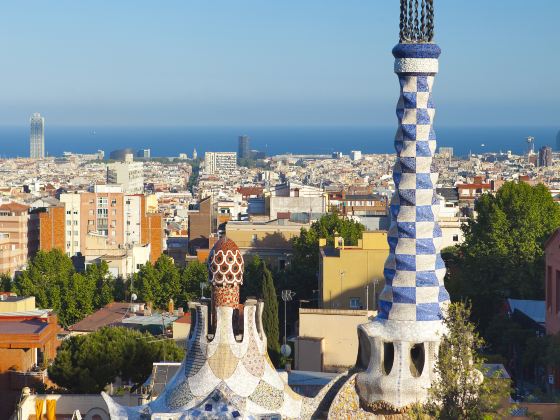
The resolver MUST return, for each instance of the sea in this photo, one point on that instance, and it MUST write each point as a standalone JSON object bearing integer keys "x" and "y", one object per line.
{"x": 172, "y": 140}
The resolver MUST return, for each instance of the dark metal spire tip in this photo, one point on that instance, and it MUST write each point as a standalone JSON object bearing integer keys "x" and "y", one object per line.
{"x": 416, "y": 21}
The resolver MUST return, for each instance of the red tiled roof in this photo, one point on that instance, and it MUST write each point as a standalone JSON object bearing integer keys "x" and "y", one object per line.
{"x": 110, "y": 314}
{"x": 185, "y": 319}
{"x": 28, "y": 326}
{"x": 473, "y": 186}
{"x": 248, "y": 191}
{"x": 15, "y": 207}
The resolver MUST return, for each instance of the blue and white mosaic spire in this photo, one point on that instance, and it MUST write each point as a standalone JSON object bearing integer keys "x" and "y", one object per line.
{"x": 414, "y": 270}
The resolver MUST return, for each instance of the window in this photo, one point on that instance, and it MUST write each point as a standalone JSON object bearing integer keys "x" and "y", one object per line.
{"x": 75, "y": 243}
{"x": 75, "y": 212}
{"x": 113, "y": 202}
{"x": 76, "y": 232}
{"x": 68, "y": 244}
{"x": 254, "y": 238}
{"x": 68, "y": 212}
{"x": 455, "y": 238}
{"x": 102, "y": 201}
{"x": 113, "y": 212}
{"x": 113, "y": 233}
{"x": 69, "y": 232}
{"x": 69, "y": 223}
{"x": 102, "y": 212}
{"x": 91, "y": 213}
{"x": 355, "y": 303}
{"x": 91, "y": 222}
{"x": 75, "y": 223}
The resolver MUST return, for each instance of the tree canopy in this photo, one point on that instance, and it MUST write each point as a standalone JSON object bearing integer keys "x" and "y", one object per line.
{"x": 503, "y": 253}
{"x": 52, "y": 279}
{"x": 88, "y": 363}
{"x": 460, "y": 390}
{"x": 259, "y": 282}
{"x": 304, "y": 267}
{"x": 163, "y": 281}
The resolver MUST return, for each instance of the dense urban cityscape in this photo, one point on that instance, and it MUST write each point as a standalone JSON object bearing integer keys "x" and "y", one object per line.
{"x": 238, "y": 283}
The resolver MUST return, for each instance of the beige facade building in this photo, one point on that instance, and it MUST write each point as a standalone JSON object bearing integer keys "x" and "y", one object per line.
{"x": 269, "y": 240}
{"x": 128, "y": 174}
{"x": 350, "y": 277}
{"x": 16, "y": 235}
{"x": 327, "y": 340}
{"x": 121, "y": 220}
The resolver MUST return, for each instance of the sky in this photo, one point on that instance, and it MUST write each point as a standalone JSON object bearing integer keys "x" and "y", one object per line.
{"x": 257, "y": 62}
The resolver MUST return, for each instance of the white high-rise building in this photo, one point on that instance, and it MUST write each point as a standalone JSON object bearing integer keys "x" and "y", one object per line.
{"x": 37, "y": 137}
{"x": 128, "y": 174}
{"x": 72, "y": 222}
{"x": 220, "y": 162}
{"x": 356, "y": 155}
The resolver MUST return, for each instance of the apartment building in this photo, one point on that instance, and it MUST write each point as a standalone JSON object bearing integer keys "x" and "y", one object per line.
{"x": 72, "y": 204}
{"x": 294, "y": 198}
{"x": 220, "y": 162}
{"x": 351, "y": 277}
{"x": 128, "y": 174}
{"x": 121, "y": 220}
{"x": 102, "y": 212}
{"x": 16, "y": 237}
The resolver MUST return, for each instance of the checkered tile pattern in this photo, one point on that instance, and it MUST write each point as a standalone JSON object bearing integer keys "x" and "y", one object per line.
{"x": 414, "y": 270}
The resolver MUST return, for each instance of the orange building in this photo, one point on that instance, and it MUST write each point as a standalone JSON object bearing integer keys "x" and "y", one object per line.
{"x": 121, "y": 219}
{"x": 152, "y": 233}
{"x": 52, "y": 228}
{"x": 28, "y": 340}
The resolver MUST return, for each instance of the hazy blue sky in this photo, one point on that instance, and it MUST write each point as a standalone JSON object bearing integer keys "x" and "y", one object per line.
{"x": 276, "y": 62}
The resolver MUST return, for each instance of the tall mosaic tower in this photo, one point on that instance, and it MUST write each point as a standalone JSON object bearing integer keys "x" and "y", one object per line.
{"x": 398, "y": 347}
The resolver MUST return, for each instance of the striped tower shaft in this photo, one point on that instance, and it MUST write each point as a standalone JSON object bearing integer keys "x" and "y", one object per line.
{"x": 414, "y": 271}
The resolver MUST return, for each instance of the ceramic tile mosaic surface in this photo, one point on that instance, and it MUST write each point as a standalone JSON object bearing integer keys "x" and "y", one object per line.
{"x": 414, "y": 271}
{"x": 221, "y": 377}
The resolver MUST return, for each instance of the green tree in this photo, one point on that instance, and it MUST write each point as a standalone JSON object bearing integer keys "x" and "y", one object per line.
{"x": 460, "y": 390}
{"x": 78, "y": 299}
{"x": 121, "y": 290}
{"x": 503, "y": 252}
{"x": 270, "y": 315}
{"x": 46, "y": 278}
{"x": 51, "y": 278}
{"x": 99, "y": 275}
{"x": 147, "y": 284}
{"x": 169, "y": 279}
{"x": 88, "y": 363}
{"x": 252, "y": 278}
{"x": 5, "y": 282}
{"x": 192, "y": 276}
{"x": 304, "y": 268}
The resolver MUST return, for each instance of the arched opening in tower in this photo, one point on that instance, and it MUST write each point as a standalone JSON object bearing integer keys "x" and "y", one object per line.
{"x": 417, "y": 359}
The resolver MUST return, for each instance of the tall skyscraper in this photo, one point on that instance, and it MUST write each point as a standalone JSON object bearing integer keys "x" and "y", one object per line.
{"x": 37, "y": 137}
{"x": 545, "y": 156}
{"x": 243, "y": 150}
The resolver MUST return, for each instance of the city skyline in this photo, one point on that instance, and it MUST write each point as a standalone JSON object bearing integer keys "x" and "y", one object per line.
{"x": 318, "y": 63}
